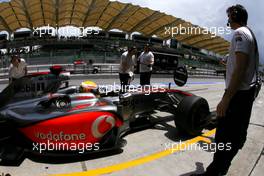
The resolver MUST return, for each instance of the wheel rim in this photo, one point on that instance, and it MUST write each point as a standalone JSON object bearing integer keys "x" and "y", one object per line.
{"x": 199, "y": 117}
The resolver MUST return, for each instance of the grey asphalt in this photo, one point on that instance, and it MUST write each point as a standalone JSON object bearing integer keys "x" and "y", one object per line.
{"x": 249, "y": 161}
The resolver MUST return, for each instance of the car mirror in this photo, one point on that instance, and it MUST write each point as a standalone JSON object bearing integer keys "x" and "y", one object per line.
{"x": 180, "y": 76}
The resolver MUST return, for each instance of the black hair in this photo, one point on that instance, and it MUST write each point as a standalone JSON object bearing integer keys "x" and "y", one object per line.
{"x": 149, "y": 46}
{"x": 15, "y": 57}
{"x": 132, "y": 48}
{"x": 238, "y": 14}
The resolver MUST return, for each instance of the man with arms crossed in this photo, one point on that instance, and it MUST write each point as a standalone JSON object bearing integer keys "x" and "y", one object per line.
{"x": 146, "y": 60}
{"x": 17, "y": 69}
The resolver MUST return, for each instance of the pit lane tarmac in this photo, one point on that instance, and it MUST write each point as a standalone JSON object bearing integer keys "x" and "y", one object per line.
{"x": 145, "y": 152}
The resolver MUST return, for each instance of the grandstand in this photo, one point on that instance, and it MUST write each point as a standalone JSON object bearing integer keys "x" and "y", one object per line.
{"x": 41, "y": 46}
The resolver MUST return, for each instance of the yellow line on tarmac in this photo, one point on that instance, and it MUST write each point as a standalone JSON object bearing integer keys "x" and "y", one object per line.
{"x": 143, "y": 160}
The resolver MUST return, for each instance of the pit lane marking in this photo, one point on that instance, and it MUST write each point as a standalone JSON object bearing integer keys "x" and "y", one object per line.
{"x": 142, "y": 160}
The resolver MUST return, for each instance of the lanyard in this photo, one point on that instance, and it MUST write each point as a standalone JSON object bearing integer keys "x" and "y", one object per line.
{"x": 256, "y": 52}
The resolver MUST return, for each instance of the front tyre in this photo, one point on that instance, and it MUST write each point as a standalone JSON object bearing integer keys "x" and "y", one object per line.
{"x": 191, "y": 115}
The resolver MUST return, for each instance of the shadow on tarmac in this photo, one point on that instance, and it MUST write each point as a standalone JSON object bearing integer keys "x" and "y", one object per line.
{"x": 199, "y": 169}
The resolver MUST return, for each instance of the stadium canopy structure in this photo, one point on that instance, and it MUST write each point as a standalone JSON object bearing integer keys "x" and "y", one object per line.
{"x": 16, "y": 14}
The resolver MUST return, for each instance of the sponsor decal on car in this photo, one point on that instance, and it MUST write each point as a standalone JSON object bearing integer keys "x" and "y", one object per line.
{"x": 102, "y": 125}
{"x": 60, "y": 136}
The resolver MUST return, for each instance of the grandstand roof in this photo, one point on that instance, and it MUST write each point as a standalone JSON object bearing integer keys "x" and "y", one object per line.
{"x": 105, "y": 14}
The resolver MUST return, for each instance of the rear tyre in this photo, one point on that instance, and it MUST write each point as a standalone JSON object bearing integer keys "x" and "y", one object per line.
{"x": 6, "y": 130}
{"x": 191, "y": 115}
{"x": 11, "y": 155}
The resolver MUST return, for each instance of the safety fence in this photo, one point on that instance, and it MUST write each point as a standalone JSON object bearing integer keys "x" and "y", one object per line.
{"x": 106, "y": 68}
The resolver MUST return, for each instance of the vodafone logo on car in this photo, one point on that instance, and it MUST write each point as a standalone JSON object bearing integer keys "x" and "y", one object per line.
{"x": 102, "y": 125}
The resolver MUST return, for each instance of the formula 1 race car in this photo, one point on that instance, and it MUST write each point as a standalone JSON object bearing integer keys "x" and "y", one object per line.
{"x": 42, "y": 114}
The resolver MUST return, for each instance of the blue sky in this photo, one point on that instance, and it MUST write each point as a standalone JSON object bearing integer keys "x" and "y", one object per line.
{"x": 209, "y": 13}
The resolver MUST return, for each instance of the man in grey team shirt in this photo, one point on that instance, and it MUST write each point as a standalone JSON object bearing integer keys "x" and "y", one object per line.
{"x": 234, "y": 110}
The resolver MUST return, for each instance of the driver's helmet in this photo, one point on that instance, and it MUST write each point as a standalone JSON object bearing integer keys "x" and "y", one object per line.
{"x": 89, "y": 87}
